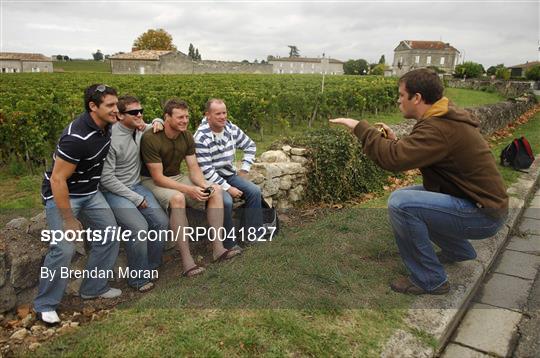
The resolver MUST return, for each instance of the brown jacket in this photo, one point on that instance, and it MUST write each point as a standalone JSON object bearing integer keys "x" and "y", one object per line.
{"x": 451, "y": 153}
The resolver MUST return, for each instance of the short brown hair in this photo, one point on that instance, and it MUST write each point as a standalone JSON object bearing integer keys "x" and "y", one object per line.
{"x": 124, "y": 101}
{"x": 210, "y": 101}
{"x": 173, "y": 103}
{"x": 423, "y": 81}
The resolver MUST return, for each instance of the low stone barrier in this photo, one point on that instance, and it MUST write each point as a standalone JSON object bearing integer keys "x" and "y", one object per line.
{"x": 505, "y": 88}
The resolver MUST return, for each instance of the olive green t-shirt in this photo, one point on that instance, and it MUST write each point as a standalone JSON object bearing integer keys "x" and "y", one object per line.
{"x": 158, "y": 148}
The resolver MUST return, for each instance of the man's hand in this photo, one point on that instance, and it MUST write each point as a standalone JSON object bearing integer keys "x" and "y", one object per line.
{"x": 157, "y": 126}
{"x": 389, "y": 132}
{"x": 347, "y": 122}
{"x": 243, "y": 173}
{"x": 197, "y": 193}
{"x": 143, "y": 204}
{"x": 72, "y": 223}
{"x": 235, "y": 192}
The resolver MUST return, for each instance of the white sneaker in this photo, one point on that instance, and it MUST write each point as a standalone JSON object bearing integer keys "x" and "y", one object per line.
{"x": 112, "y": 293}
{"x": 50, "y": 317}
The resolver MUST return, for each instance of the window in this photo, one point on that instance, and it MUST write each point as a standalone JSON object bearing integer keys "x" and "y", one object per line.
{"x": 281, "y": 65}
{"x": 301, "y": 65}
{"x": 416, "y": 59}
{"x": 291, "y": 66}
{"x": 428, "y": 60}
{"x": 312, "y": 66}
{"x": 442, "y": 60}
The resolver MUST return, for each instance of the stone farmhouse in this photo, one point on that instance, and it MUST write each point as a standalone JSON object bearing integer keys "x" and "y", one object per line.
{"x": 175, "y": 62}
{"x": 306, "y": 65}
{"x": 519, "y": 70}
{"x": 13, "y": 62}
{"x": 409, "y": 55}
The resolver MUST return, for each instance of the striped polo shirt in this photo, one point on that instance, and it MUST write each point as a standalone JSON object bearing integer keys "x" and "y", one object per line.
{"x": 85, "y": 144}
{"x": 216, "y": 153}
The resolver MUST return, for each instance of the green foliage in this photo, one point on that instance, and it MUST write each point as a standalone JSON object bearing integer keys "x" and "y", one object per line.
{"x": 533, "y": 73}
{"x": 356, "y": 67}
{"x": 382, "y": 60}
{"x": 340, "y": 171}
{"x": 377, "y": 70}
{"x": 502, "y": 73}
{"x": 98, "y": 55}
{"x": 294, "y": 51}
{"x": 154, "y": 40}
{"x": 469, "y": 69}
{"x": 492, "y": 69}
{"x": 35, "y": 108}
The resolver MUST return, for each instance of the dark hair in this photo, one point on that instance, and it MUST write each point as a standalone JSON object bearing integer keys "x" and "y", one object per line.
{"x": 423, "y": 81}
{"x": 95, "y": 93}
{"x": 172, "y": 104}
{"x": 210, "y": 101}
{"x": 124, "y": 101}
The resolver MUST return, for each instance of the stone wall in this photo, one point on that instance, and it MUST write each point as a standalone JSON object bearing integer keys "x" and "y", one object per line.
{"x": 491, "y": 116}
{"x": 505, "y": 88}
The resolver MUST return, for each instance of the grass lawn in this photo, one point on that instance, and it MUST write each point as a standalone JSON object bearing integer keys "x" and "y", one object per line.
{"x": 82, "y": 66}
{"x": 320, "y": 289}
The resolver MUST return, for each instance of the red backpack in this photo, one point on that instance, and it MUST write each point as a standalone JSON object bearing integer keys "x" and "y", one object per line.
{"x": 518, "y": 154}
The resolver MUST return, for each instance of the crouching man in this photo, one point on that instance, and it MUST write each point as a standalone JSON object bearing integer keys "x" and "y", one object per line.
{"x": 462, "y": 196}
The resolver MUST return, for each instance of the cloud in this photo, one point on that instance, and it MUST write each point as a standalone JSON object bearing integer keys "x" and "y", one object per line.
{"x": 58, "y": 28}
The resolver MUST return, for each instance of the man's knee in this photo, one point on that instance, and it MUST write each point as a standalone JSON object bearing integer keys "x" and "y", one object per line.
{"x": 178, "y": 200}
{"x": 397, "y": 200}
{"x": 218, "y": 192}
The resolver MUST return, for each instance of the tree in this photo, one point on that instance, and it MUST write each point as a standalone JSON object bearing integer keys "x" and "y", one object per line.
{"x": 382, "y": 60}
{"x": 154, "y": 40}
{"x": 66, "y": 58}
{"x": 533, "y": 73}
{"x": 98, "y": 56}
{"x": 197, "y": 54}
{"x": 270, "y": 58}
{"x": 377, "y": 70}
{"x": 356, "y": 67}
{"x": 191, "y": 51}
{"x": 502, "y": 73}
{"x": 294, "y": 52}
{"x": 469, "y": 70}
{"x": 59, "y": 57}
{"x": 492, "y": 69}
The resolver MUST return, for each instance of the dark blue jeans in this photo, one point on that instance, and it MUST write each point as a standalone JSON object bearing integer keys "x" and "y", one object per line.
{"x": 419, "y": 217}
{"x": 142, "y": 254}
{"x": 94, "y": 211}
{"x": 253, "y": 216}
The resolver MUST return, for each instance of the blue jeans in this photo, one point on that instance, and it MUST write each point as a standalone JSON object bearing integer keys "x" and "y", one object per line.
{"x": 419, "y": 216}
{"x": 95, "y": 211}
{"x": 141, "y": 254}
{"x": 253, "y": 216}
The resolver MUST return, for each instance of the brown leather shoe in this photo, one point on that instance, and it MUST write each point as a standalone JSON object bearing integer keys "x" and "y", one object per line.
{"x": 405, "y": 285}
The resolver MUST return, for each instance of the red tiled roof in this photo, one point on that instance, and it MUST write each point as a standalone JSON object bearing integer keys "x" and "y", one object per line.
{"x": 526, "y": 65}
{"x": 429, "y": 45}
{"x": 24, "y": 56}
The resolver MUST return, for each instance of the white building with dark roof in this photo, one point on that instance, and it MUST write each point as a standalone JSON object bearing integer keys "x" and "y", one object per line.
{"x": 306, "y": 65}
{"x": 410, "y": 54}
{"x": 13, "y": 62}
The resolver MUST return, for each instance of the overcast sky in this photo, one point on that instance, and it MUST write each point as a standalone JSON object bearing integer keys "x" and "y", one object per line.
{"x": 489, "y": 32}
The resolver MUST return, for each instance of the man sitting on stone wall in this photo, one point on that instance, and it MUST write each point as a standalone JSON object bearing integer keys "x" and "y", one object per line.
{"x": 216, "y": 141}
{"x": 70, "y": 193}
{"x": 463, "y": 195}
{"x": 134, "y": 206}
{"x": 163, "y": 153}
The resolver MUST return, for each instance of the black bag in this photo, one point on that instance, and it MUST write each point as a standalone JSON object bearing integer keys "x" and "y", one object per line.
{"x": 518, "y": 154}
{"x": 270, "y": 217}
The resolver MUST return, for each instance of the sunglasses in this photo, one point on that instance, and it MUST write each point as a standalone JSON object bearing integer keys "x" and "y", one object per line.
{"x": 101, "y": 88}
{"x": 134, "y": 112}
